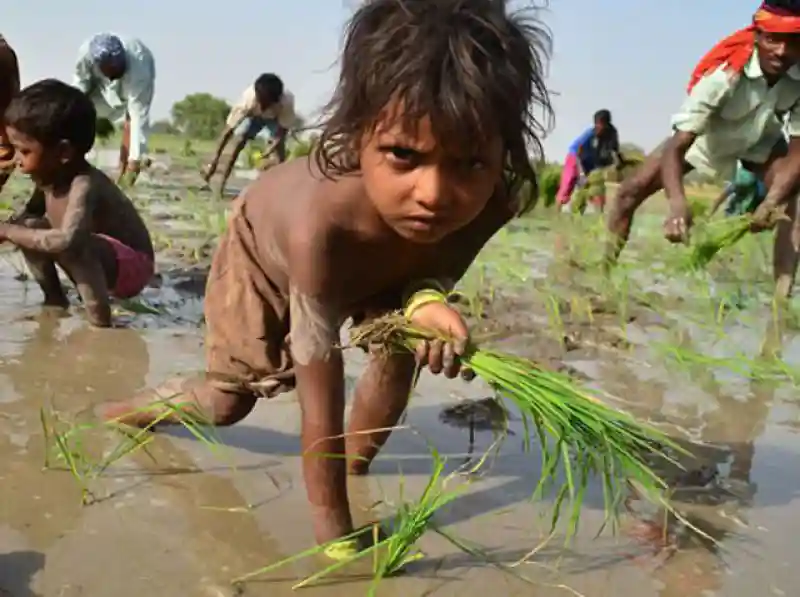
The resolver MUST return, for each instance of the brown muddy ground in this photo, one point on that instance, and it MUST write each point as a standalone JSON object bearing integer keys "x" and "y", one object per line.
{"x": 189, "y": 523}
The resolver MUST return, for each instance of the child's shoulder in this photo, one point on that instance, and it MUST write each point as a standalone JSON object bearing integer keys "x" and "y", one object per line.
{"x": 300, "y": 204}
{"x": 97, "y": 182}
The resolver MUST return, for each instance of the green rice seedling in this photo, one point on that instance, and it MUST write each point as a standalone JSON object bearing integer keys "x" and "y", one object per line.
{"x": 61, "y": 438}
{"x": 549, "y": 181}
{"x": 579, "y": 436}
{"x": 139, "y": 307}
{"x": 392, "y": 550}
{"x": 69, "y": 441}
{"x": 713, "y": 236}
{"x": 595, "y": 186}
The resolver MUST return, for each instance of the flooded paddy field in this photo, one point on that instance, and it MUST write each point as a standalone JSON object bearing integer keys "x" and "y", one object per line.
{"x": 706, "y": 357}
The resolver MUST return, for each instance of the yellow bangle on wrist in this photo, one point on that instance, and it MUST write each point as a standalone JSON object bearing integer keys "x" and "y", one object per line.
{"x": 423, "y": 297}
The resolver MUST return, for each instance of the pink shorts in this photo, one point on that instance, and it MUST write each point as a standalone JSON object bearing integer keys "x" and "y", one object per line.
{"x": 569, "y": 178}
{"x": 134, "y": 269}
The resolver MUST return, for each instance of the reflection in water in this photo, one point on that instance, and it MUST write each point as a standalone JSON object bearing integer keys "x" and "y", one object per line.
{"x": 715, "y": 485}
{"x": 83, "y": 362}
{"x": 64, "y": 363}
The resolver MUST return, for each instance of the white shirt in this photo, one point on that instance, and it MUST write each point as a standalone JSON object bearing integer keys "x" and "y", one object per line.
{"x": 738, "y": 117}
{"x": 133, "y": 93}
{"x": 248, "y": 107}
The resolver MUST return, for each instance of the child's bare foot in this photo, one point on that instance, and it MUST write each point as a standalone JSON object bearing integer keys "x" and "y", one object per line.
{"x": 122, "y": 412}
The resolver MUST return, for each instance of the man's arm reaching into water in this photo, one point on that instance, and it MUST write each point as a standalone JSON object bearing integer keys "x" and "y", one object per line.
{"x": 785, "y": 182}
{"x": 75, "y": 227}
{"x": 691, "y": 121}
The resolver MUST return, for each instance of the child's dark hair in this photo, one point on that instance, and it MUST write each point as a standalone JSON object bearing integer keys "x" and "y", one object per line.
{"x": 471, "y": 66}
{"x": 50, "y": 111}
{"x": 269, "y": 87}
{"x": 603, "y": 117}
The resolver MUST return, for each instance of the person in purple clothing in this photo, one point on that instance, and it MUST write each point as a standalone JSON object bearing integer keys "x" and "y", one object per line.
{"x": 597, "y": 147}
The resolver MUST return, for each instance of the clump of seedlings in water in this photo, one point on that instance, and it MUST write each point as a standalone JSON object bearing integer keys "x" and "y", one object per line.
{"x": 67, "y": 443}
{"x": 391, "y": 545}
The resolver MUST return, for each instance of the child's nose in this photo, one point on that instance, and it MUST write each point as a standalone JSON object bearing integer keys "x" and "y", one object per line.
{"x": 433, "y": 189}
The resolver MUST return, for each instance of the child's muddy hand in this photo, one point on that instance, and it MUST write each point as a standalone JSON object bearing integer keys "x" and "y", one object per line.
{"x": 443, "y": 356}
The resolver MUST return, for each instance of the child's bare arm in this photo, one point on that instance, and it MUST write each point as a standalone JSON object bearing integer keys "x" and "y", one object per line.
{"x": 74, "y": 229}
{"x": 319, "y": 371}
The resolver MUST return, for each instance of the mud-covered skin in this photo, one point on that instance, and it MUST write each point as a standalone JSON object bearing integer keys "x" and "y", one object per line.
{"x": 59, "y": 225}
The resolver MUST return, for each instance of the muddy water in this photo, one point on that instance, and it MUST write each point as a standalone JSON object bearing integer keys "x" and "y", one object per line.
{"x": 190, "y": 522}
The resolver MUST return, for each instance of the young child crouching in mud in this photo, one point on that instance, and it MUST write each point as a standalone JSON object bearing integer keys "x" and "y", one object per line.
{"x": 77, "y": 217}
{"x": 417, "y": 167}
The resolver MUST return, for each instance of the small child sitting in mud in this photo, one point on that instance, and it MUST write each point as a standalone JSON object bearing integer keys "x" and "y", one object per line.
{"x": 77, "y": 217}
{"x": 418, "y": 166}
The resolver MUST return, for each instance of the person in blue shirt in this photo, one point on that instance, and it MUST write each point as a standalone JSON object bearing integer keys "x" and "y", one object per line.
{"x": 597, "y": 147}
{"x": 743, "y": 194}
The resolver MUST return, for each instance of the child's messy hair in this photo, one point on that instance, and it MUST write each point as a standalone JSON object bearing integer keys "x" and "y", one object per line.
{"x": 50, "y": 111}
{"x": 472, "y": 66}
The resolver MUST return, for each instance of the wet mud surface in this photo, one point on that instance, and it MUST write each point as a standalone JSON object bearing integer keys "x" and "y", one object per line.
{"x": 188, "y": 521}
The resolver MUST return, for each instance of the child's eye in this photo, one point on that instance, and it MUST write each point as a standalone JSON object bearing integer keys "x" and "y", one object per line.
{"x": 403, "y": 154}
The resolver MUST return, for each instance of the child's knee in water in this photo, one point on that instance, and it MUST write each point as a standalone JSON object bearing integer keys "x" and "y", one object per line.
{"x": 222, "y": 407}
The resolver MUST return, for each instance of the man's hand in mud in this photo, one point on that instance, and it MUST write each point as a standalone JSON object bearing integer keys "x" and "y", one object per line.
{"x": 677, "y": 224}
{"x": 443, "y": 356}
{"x": 767, "y": 216}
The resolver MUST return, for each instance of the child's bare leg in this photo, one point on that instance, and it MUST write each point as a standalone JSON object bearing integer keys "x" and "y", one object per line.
{"x": 192, "y": 396}
{"x": 786, "y": 251}
{"x": 381, "y": 397}
{"x": 93, "y": 270}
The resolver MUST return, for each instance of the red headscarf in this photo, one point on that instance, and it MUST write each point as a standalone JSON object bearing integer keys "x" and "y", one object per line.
{"x": 735, "y": 50}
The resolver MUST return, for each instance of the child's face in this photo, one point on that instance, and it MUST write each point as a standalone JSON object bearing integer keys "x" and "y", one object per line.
{"x": 422, "y": 191}
{"x": 33, "y": 158}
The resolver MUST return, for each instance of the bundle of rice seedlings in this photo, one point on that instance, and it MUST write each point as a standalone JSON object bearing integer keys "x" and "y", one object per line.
{"x": 698, "y": 207}
{"x": 579, "y": 436}
{"x": 712, "y": 236}
{"x": 549, "y": 181}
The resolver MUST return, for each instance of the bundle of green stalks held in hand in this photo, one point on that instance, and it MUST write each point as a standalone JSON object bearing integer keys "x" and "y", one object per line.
{"x": 578, "y": 435}
{"x": 711, "y": 236}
